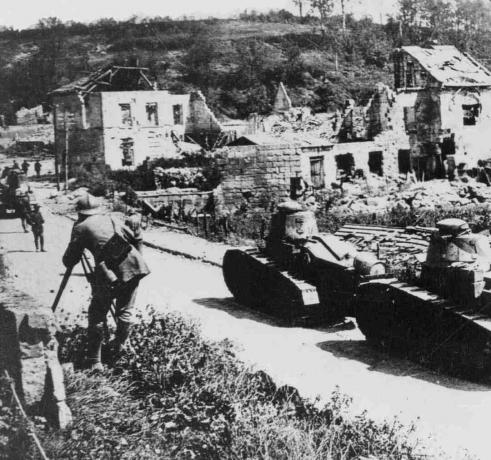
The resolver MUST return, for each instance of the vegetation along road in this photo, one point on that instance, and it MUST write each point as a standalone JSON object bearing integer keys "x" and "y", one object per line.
{"x": 315, "y": 361}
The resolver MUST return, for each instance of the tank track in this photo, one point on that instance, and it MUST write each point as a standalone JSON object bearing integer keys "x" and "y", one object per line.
{"x": 257, "y": 282}
{"x": 424, "y": 327}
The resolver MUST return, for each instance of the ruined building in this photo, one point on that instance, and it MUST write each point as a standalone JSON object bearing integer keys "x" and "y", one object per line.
{"x": 446, "y": 98}
{"x": 116, "y": 117}
{"x": 437, "y": 114}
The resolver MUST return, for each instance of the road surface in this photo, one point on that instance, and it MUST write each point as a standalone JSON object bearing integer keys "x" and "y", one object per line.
{"x": 316, "y": 361}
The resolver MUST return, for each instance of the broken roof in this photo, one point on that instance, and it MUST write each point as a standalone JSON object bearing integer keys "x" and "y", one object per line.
{"x": 449, "y": 66}
{"x": 109, "y": 78}
{"x": 296, "y": 139}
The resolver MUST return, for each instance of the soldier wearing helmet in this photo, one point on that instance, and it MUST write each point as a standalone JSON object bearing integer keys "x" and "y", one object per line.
{"x": 118, "y": 271}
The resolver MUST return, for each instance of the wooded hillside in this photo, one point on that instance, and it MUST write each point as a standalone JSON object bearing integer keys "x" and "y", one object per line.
{"x": 237, "y": 63}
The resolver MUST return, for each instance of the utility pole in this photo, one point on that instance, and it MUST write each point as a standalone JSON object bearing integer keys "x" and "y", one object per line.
{"x": 66, "y": 151}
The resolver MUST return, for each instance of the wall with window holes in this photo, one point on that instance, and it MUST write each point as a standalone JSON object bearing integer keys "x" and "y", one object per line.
{"x": 138, "y": 124}
{"x": 266, "y": 170}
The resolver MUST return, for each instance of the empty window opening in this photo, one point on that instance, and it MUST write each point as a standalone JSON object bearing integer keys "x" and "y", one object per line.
{"x": 128, "y": 152}
{"x": 448, "y": 146}
{"x": 126, "y": 114}
{"x": 152, "y": 113}
{"x": 410, "y": 74}
{"x": 404, "y": 161}
{"x": 410, "y": 119}
{"x": 345, "y": 164}
{"x": 375, "y": 163}
{"x": 471, "y": 113}
{"x": 317, "y": 173}
{"x": 177, "y": 111}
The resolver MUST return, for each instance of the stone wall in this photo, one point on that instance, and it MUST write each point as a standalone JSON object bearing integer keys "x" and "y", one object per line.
{"x": 264, "y": 170}
{"x": 29, "y": 352}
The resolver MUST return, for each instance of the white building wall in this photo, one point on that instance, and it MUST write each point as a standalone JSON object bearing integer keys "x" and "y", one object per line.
{"x": 472, "y": 142}
{"x": 148, "y": 139}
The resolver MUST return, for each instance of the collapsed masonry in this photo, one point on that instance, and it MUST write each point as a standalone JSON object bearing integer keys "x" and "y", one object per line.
{"x": 435, "y": 121}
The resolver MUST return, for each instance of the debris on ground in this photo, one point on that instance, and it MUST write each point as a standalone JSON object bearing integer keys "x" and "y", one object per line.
{"x": 378, "y": 195}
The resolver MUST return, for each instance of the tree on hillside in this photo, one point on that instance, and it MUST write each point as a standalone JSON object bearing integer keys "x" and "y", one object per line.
{"x": 199, "y": 58}
{"x": 323, "y": 8}
{"x": 343, "y": 12}
{"x": 299, "y": 4}
{"x": 410, "y": 20}
{"x": 472, "y": 19}
{"x": 438, "y": 16}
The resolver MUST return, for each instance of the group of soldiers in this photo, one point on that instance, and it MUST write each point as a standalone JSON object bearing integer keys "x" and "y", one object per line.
{"x": 24, "y": 167}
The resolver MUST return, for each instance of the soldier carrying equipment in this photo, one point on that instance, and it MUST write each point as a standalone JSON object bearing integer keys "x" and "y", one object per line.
{"x": 118, "y": 271}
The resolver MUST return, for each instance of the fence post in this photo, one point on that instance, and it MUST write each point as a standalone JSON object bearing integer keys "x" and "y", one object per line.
{"x": 205, "y": 222}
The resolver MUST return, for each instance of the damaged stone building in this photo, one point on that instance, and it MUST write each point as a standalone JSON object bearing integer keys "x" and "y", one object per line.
{"x": 317, "y": 147}
{"x": 446, "y": 98}
{"x": 116, "y": 117}
{"x": 438, "y": 112}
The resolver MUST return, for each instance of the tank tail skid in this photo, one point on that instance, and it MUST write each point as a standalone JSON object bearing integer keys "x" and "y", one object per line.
{"x": 426, "y": 328}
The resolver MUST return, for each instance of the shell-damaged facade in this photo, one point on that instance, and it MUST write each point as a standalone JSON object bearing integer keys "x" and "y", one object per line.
{"x": 446, "y": 96}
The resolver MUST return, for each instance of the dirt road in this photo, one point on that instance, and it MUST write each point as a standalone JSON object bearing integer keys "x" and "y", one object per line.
{"x": 457, "y": 413}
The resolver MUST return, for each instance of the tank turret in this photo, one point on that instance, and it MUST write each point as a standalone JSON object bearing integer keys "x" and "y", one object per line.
{"x": 456, "y": 262}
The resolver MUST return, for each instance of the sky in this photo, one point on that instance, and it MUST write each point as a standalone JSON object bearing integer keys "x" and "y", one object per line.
{"x": 21, "y": 14}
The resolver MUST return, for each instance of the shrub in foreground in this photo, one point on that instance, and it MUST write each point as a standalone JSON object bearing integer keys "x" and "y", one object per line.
{"x": 177, "y": 395}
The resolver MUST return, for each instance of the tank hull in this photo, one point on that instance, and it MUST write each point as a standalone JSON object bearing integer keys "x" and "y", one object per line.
{"x": 260, "y": 283}
{"x": 426, "y": 328}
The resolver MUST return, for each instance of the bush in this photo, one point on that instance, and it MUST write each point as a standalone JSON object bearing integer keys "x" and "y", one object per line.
{"x": 97, "y": 182}
{"x": 192, "y": 170}
{"x": 180, "y": 396}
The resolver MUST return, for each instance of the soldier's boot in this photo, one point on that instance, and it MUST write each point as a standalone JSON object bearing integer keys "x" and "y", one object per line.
{"x": 121, "y": 340}
{"x": 41, "y": 241}
{"x": 95, "y": 335}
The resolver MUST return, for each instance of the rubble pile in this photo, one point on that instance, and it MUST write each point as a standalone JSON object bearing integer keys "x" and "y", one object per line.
{"x": 378, "y": 195}
{"x": 323, "y": 125}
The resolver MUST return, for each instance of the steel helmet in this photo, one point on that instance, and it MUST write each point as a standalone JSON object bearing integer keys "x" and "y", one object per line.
{"x": 88, "y": 205}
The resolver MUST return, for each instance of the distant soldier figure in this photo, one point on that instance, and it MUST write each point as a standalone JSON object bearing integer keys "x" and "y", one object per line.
{"x": 118, "y": 271}
{"x": 36, "y": 221}
{"x": 25, "y": 167}
{"x": 16, "y": 165}
{"x": 23, "y": 208}
{"x": 37, "y": 168}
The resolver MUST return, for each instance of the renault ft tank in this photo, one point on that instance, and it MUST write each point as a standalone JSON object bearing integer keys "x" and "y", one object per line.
{"x": 13, "y": 189}
{"x": 444, "y": 319}
{"x": 301, "y": 276}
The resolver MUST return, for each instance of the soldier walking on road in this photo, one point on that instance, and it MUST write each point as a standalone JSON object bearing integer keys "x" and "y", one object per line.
{"x": 23, "y": 207}
{"x": 25, "y": 167}
{"x": 36, "y": 221}
{"x": 37, "y": 168}
{"x": 118, "y": 271}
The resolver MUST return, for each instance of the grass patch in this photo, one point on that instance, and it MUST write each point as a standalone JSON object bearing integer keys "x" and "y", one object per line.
{"x": 177, "y": 395}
